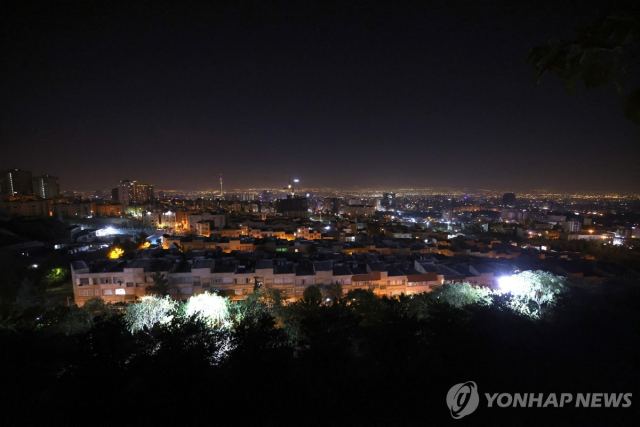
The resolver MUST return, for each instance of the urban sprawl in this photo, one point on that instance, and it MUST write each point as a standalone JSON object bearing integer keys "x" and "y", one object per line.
{"x": 392, "y": 242}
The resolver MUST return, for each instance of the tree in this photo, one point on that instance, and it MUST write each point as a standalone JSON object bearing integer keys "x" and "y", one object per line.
{"x": 533, "y": 291}
{"x": 150, "y": 311}
{"x": 96, "y": 307}
{"x": 160, "y": 285}
{"x": 312, "y": 295}
{"x": 210, "y": 308}
{"x": 334, "y": 292}
{"x": 461, "y": 294}
{"x": 260, "y": 301}
{"x": 56, "y": 276}
{"x": 27, "y": 296}
{"x": 74, "y": 321}
{"x": 607, "y": 51}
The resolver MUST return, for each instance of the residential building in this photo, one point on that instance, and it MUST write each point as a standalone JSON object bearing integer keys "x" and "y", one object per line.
{"x": 46, "y": 186}
{"x": 144, "y": 193}
{"x": 16, "y": 182}
{"x": 127, "y": 191}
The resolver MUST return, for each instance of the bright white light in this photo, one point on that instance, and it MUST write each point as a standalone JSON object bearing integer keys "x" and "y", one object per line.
{"x": 296, "y": 180}
{"x": 512, "y": 284}
{"x": 105, "y": 232}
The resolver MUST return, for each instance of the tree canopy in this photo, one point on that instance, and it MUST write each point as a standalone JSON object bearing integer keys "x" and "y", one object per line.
{"x": 606, "y": 52}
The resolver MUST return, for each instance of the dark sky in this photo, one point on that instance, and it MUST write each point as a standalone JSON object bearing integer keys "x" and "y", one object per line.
{"x": 338, "y": 94}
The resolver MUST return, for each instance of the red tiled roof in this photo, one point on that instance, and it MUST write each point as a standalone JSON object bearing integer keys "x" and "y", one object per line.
{"x": 429, "y": 277}
{"x": 366, "y": 277}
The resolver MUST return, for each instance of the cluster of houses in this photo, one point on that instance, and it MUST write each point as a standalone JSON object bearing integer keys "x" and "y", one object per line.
{"x": 236, "y": 274}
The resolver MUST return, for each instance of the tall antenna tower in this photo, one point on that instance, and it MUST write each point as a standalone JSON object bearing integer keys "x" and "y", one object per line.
{"x": 291, "y": 189}
{"x": 220, "y": 185}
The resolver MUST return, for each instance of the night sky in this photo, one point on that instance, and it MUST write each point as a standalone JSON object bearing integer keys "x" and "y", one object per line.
{"x": 370, "y": 94}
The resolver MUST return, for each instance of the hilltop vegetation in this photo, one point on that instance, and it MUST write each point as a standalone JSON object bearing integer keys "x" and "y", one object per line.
{"x": 355, "y": 360}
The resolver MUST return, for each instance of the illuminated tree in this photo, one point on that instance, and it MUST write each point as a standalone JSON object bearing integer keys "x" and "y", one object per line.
{"x": 210, "y": 308}
{"x": 533, "y": 291}
{"x": 461, "y": 294}
{"x": 56, "y": 276}
{"x": 150, "y": 311}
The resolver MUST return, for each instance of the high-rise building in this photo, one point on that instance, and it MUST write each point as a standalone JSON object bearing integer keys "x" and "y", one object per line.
{"x": 293, "y": 207}
{"x": 144, "y": 192}
{"x": 46, "y": 186}
{"x": 115, "y": 194}
{"x": 127, "y": 191}
{"x": 509, "y": 199}
{"x": 16, "y": 181}
{"x": 388, "y": 200}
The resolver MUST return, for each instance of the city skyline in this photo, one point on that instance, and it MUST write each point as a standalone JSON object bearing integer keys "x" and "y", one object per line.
{"x": 385, "y": 95}
{"x": 300, "y": 211}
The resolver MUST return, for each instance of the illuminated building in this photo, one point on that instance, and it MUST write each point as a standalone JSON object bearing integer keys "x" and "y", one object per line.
{"x": 144, "y": 192}
{"x": 27, "y": 207}
{"x": 108, "y": 209}
{"x": 46, "y": 186}
{"x": 127, "y": 191}
{"x": 570, "y": 226}
{"x": 16, "y": 182}
{"x": 358, "y": 210}
{"x": 219, "y": 219}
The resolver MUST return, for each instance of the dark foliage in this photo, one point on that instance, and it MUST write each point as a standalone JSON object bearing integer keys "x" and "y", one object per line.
{"x": 360, "y": 360}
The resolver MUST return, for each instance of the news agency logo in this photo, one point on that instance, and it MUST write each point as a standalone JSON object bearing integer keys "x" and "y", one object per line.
{"x": 463, "y": 399}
